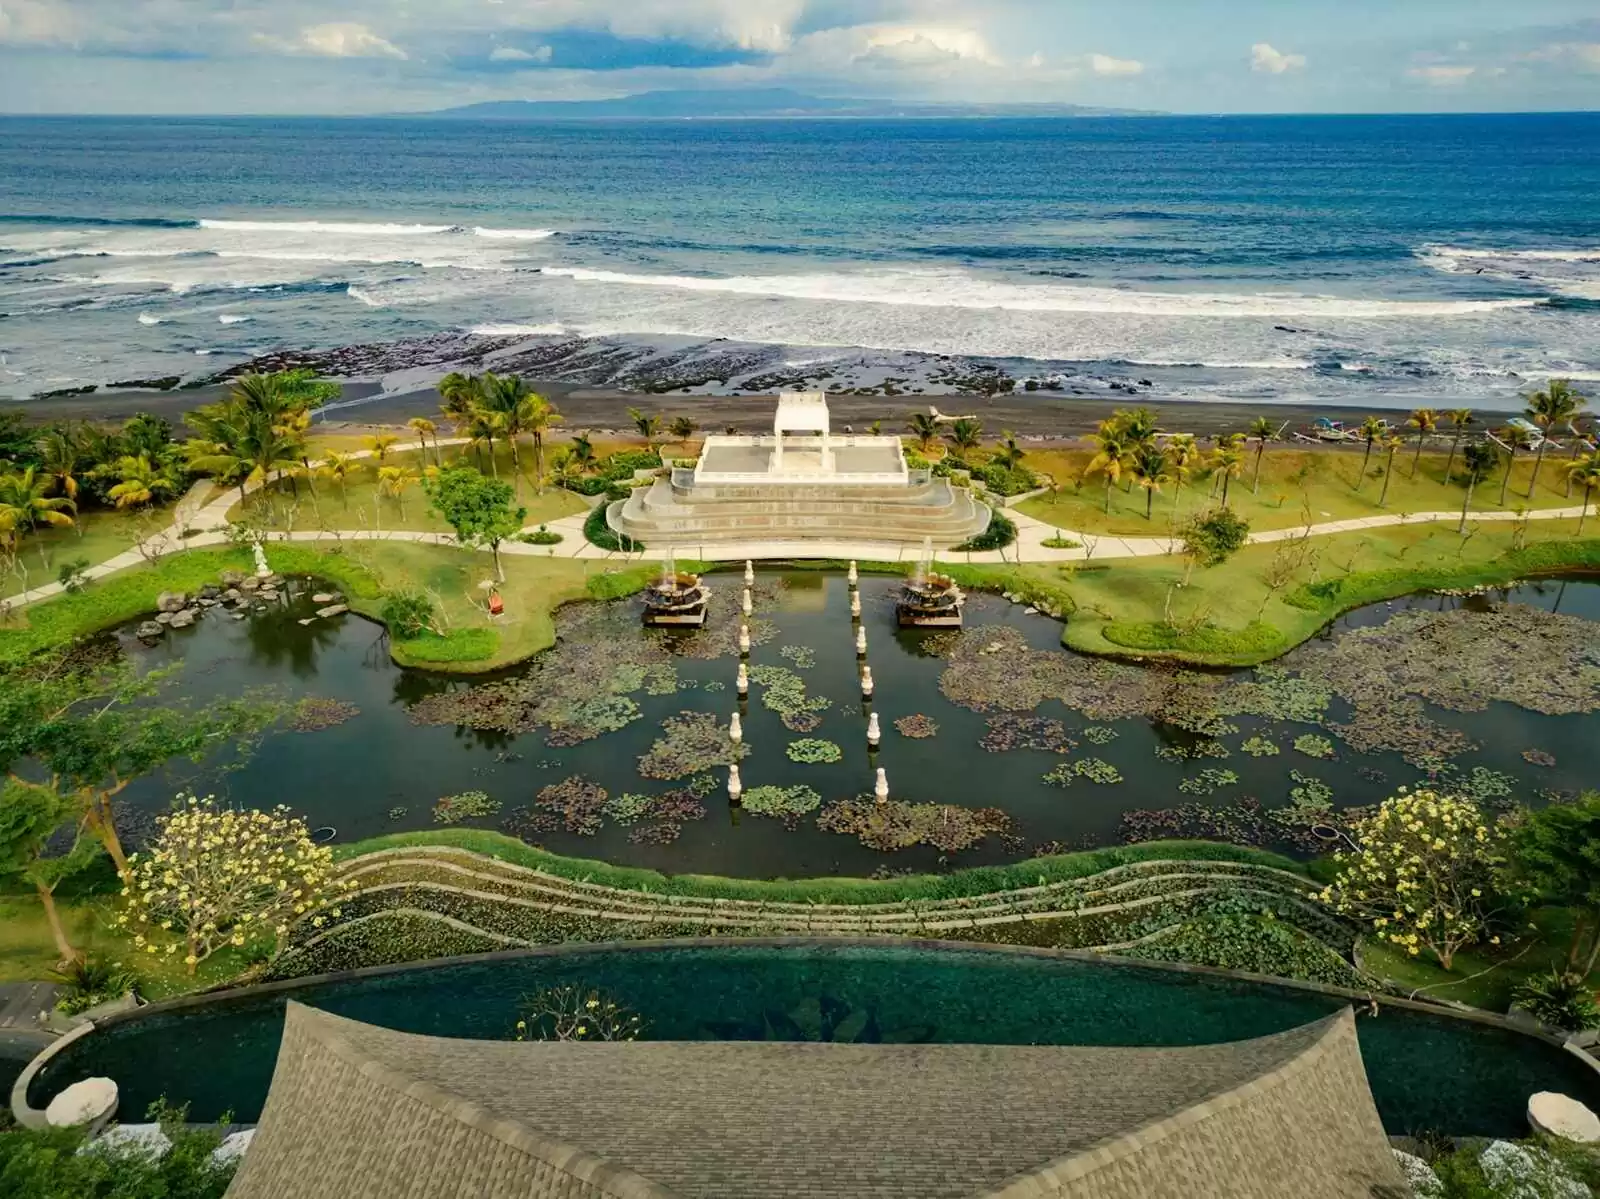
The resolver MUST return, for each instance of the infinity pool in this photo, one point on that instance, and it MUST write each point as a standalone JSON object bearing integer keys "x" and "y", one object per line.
{"x": 1428, "y": 1072}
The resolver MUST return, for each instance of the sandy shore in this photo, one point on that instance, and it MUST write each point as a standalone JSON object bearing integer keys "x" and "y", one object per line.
{"x": 1027, "y": 414}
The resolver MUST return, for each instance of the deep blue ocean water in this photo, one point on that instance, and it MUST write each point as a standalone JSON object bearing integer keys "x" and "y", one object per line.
{"x": 1353, "y": 259}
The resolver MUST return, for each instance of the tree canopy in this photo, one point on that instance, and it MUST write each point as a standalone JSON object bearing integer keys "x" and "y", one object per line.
{"x": 478, "y": 509}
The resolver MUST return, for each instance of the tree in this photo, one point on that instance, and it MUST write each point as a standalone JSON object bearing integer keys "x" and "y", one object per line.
{"x": 1149, "y": 469}
{"x": 92, "y": 730}
{"x": 59, "y": 459}
{"x": 30, "y": 817}
{"x": 1110, "y": 457}
{"x": 1138, "y": 426}
{"x": 1229, "y": 464}
{"x": 339, "y": 467}
{"x": 143, "y": 483}
{"x": 1008, "y": 453}
{"x": 241, "y": 443}
{"x": 215, "y": 877}
{"x": 925, "y": 429}
{"x": 1516, "y": 440}
{"x": 1372, "y": 430}
{"x": 478, "y": 509}
{"x": 381, "y": 445}
{"x": 649, "y": 427}
{"x": 1585, "y": 471}
{"x": 520, "y": 411}
{"x": 1392, "y": 444}
{"x": 1582, "y": 443}
{"x": 1424, "y": 421}
{"x": 1460, "y": 418}
{"x": 1555, "y": 854}
{"x": 965, "y": 434}
{"x": 1213, "y": 537}
{"x": 1480, "y": 459}
{"x": 393, "y": 480}
{"x": 1551, "y": 408}
{"x": 583, "y": 450}
{"x": 1263, "y": 429}
{"x": 26, "y": 503}
{"x": 459, "y": 394}
{"x": 1425, "y": 875}
{"x": 682, "y": 429}
{"x": 1183, "y": 455}
{"x": 425, "y": 428}
{"x": 148, "y": 434}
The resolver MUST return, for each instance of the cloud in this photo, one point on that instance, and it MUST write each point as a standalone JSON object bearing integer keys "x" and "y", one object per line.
{"x": 1104, "y": 64}
{"x": 1268, "y": 60}
{"x": 32, "y": 22}
{"x": 923, "y": 45}
{"x": 1585, "y": 56}
{"x": 512, "y": 54}
{"x": 334, "y": 39}
{"x": 1443, "y": 74}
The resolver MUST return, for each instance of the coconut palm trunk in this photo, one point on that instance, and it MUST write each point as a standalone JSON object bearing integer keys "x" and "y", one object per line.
{"x": 1584, "y": 515}
{"x": 1388, "y": 475}
{"x": 1466, "y": 504}
{"x": 1255, "y": 484}
{"x": 1108, "y": 493}
{"x": 1455, "y": 444}
{"x": 1538, "y": 461}
{"x": 1505, "y": 483}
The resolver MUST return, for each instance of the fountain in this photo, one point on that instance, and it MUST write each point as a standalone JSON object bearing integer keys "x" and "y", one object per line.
{"x": 929, "y": 600}
{"x": 676, "y": 599}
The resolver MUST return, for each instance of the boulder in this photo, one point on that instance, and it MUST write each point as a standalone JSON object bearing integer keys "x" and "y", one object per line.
{"x": 170, "y": 601}
{"x": 250, "y": 585}
{"x": 1525, "y": 1173}
{"x": 1563, "y": 1116}
{"x": 164, "y": 617}
{"x": 274, "y": 581}
{"x": 309, "y": 620}
{"x": 182, "y": 620}
{"x": 92, "y": 1101}
{"x": 150, "y": 631}
{"x": 232, "y": 578}
{"x": 233, "y": 1147}
{"x": 324, "y": 597}
{"x": 210, "y": 592}
{"x": 236, "y": 615}
{"x": 209, "y": 603}
{"x": 267, "y": 596}
{"x": 333, "y": 610}
{"x": 232, "y": 595}
{"x": 146, "y": 1141}
{"x": 1425, "y": 1184}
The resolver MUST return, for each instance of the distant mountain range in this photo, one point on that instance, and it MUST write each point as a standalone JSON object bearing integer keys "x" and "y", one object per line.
{"x": 750, "y": 104}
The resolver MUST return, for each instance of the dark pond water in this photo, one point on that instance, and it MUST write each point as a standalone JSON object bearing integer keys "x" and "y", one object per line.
{"x": 1428, "y": 1073}
{"x": 356, "y": 776}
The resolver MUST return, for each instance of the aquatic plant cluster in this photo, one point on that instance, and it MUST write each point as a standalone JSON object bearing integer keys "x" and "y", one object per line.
{"x": 782, "y": 802}
{"x": 579, "y": 806}
{"x": 809, "y": 751}
{"x": 1009, "y": 731}
{"x": 1093, "y": 769}
{"x": 691, "y": 743}
{"x": 784, "y": 692}
{"x": 892, "y": 825}
{"x": 453, "y": 809}
{"x": 315, "y": 713}
{"x": 918, "y": 727}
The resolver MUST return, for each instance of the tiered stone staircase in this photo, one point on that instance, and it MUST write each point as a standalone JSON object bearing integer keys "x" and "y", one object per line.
{"x": 668, "y": 511}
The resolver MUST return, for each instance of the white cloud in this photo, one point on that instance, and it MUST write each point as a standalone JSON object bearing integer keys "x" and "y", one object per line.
{"x": 512, "y": 54}
{"x": 37, "y": 22}
{"x": 1443, "y": 74}
{"x": 1585, "y": 56}
{"x": 1104, "y": 64}
{"x": 333, "y": 39}
{"x": 1271, "y": 61}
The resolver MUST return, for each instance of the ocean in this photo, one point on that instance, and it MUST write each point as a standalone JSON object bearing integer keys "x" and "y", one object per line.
{"x": 1379, "y": 261}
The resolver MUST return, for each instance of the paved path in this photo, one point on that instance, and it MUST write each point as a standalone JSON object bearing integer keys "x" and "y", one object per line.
{"x": 211, "y": 521}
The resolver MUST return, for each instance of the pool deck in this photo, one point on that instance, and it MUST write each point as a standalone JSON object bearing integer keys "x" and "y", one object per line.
{"x": 212, "y": 521}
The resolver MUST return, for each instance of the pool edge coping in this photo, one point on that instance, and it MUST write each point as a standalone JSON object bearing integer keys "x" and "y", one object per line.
{"x": 30, "y": 1117}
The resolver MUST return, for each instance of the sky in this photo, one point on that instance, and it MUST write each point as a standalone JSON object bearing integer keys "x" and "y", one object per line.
{"x": 371, "y": 56}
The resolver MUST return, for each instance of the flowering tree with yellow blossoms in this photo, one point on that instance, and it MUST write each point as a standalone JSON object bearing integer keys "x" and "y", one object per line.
{"x": 1424, "y": 875}
{"x": 215, "y": 876}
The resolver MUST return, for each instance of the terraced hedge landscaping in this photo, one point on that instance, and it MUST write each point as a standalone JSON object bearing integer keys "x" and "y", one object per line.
{"x": 437, "y": 901}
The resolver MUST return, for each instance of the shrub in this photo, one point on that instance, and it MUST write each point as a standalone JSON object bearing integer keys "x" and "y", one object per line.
{"x": 571, "y": 1014}
{"x": 1006, "y": 481}
{"x": 408, "y": 614}
{"x": 1000, "y": 533}
{"x": 458, "y": 645}
{"x": 541, "y": 536}
{"x": 88, "y": 982}
{"x": 1061, "y": 543}
{"x": 600, "y": 533}
{"x": 1213, "y": 537}
{"x": 618, "y": 468}
{"x": 1559, "y": 998}
{"x": 50, "y": 1164}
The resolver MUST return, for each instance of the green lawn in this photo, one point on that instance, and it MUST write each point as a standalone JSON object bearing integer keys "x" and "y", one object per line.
{"x": 361, "y": 505}
{"x": 98, "y": 534}
{"x": 1297, "y": 486}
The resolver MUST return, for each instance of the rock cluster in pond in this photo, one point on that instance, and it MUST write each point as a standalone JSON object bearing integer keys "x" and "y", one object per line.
{"x": 235, "y": 593}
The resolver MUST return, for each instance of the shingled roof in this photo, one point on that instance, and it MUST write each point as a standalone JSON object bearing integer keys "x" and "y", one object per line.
{"x": 358, "y": 1112}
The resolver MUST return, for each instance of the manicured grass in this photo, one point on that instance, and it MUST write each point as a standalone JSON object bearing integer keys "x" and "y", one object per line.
{"x": 360, "y": 505}
{"x": 979, "y": 880}
{"x": 1230, "y": 615}
{"x": 98, "y": 534}
{"x": 1297, "y": 487}
{"x": 1481, "y": 977}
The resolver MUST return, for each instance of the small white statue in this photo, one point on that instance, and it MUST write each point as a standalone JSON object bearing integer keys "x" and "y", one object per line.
{"x": 735, "y": 730}
{"x": 744, "y": 639}
{"x": 861, "y": 641}
{"x": 735, "y": 787}
{"x": 882, "y": 789}
{"x": 744, "y": 680}
{"x": 853, "y": 576}
{"x": 866, "y": 681}
{"x": 874, "y": 731}
{"x": 747, "y": 606}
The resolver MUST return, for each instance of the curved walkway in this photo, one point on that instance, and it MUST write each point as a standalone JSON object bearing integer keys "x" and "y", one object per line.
{"x": 211, "y": 521}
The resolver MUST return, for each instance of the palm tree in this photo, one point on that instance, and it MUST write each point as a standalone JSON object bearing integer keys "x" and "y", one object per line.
{"x": 965, "y": 434}
{"x": 1585, "y": 471}
{"x": 1111, "y": 458}
{"x": 1581, "y": 444}
{"x": 425, "y": 428}
{"x": 1556, "y": 405}
{"x": 508, "y": 399}
{"x": 1138, "y": 425}
{"x": 1480, "y": 459}
{"x": 26, "y": 503}
{"x": 1424, "y": 421}
{"x": 1373, "y": 430}
{"x": 682, "y": 429}
{"x": 1515, "y": 440}
{"x": 1183, "y": 455}
{"x": 59, "y": 456}
{"x": 142, "y": 483}
{"x": 1263, "y": 429}
{"x": 1460, "y": 418}
{"x": 1228, "y": 463}
{"x": 482, "y": 427}
{"x": 539, "y": 415}
{"x": 460, "y": 394}
{"x": 393, "y": 480}
{"x": 339, "y": 467}
{"x": 241, "y": 445}
{"x": 925, "y": 429}
{"x": 382, "y": 445}
{"x": 1392, "y": 444}
{"x": 583, "y": 450}
{"x": 649, "y": 427}
{"x": 1008, "y": 453}
{"x": 1149, "y": 469}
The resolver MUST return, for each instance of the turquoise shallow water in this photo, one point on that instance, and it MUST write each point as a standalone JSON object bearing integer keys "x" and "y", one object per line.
{"x": 1428, "y": 1073}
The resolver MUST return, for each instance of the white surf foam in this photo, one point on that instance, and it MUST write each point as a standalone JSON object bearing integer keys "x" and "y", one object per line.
{"x": 1274, "y": 364}
{"x": 356, "y": 293}
{"x": 350, "y": 228}
{"x": 1565, "y": 255}
{"x": 518, "y": 330}
{"x": 231, "y": 318}
{"x": 514, "y": 234}
{"x": 146, "y": 319}
{"x": 929, "y": 289}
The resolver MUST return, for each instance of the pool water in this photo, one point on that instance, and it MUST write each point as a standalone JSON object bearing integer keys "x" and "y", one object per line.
{"x": 381, "y": 772}
{"x": 1428, "y": 1073}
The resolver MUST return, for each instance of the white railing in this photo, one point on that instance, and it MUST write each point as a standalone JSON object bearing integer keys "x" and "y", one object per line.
{"x": 789, "y": 475}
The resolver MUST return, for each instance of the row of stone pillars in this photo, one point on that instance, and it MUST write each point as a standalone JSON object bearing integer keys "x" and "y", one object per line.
{"x": 874, "y": 729}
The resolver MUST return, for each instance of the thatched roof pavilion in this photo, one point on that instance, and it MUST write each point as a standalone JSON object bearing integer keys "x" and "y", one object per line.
{"x": 358, "y": 1112}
